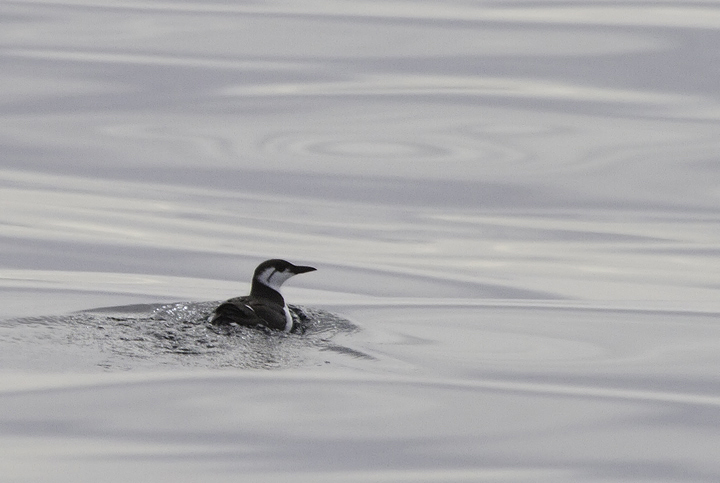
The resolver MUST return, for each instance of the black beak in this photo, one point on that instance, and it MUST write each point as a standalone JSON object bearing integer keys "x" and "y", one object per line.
{"x": 296, "y": 269}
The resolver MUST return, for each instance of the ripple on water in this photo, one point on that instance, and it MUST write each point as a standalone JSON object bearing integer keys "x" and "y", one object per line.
{"x": 179, "y": 334}
{"x": 441, "y": 150}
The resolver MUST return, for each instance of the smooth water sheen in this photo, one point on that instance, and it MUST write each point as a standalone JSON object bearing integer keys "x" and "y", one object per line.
{"x": 512, "y": 207}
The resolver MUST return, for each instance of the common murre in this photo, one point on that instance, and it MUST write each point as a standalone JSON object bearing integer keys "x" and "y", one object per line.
{"x": 264, "y": 306}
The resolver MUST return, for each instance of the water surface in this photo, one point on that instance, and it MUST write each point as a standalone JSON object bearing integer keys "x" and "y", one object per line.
{"x": 513, "y": 209}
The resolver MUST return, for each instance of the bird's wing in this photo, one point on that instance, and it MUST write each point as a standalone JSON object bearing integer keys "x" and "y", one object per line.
{"x": 236, "y": 311}
{"x": 250, "y": 312}
{"x": 272, "y": 314}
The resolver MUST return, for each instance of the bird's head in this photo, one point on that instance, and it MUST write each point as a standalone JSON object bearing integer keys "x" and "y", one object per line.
{"x": 273, "y": 273}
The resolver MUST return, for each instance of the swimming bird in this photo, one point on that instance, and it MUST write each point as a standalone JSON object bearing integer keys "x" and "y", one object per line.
{"x": 264, "y": 306}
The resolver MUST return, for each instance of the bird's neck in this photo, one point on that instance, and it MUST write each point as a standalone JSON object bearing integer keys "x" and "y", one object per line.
{"x": 261, "y": 290}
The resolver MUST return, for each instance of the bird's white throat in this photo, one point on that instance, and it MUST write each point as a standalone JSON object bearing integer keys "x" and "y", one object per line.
{"x": 273, "y": 278}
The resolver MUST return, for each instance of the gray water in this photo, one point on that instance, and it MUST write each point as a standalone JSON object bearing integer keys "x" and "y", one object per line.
{"x": 512, "y": 206}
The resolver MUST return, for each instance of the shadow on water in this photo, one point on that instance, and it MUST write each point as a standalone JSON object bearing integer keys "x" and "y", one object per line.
{"x": 180, "y": 334}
